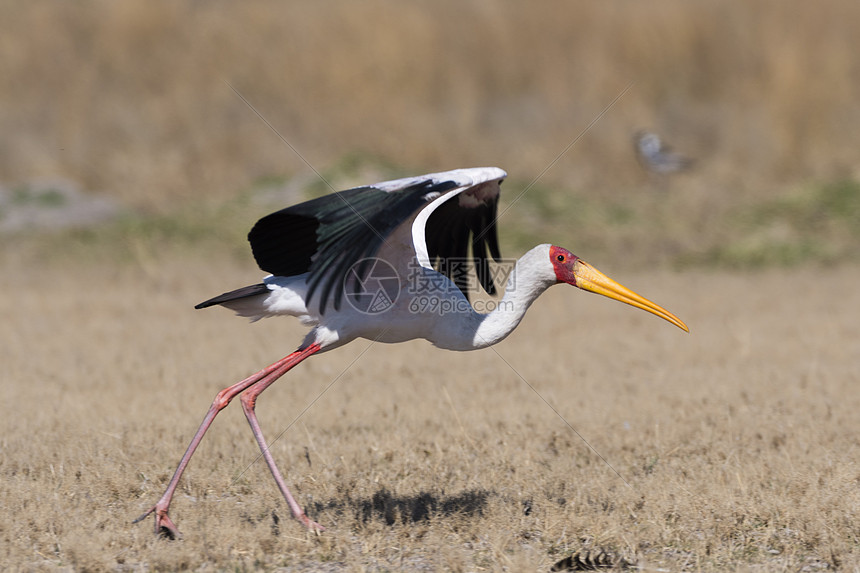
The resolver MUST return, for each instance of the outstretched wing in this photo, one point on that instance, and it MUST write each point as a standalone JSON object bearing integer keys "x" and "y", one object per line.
{"x": 326, "y": 236}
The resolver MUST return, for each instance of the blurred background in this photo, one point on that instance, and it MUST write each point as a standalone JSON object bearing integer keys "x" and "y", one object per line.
{"x": 122, "y": 121}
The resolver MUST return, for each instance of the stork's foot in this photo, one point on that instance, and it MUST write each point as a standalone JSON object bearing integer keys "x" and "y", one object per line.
{"x": 312, "y": 525}
{"x": 164, "y": 526}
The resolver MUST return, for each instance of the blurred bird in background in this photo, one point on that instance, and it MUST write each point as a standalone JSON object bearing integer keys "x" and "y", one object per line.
{"x": 656, "y": 157}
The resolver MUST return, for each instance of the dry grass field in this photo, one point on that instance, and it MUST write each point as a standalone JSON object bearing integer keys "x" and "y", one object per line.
{"x": 732, "y": 448}
{"x": 132, "y": 99}
{"x": 735, "y": 446}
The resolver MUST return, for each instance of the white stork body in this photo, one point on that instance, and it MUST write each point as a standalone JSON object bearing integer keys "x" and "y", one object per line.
{"x": 403, "y": 321}
{"x": 357, "y": 245}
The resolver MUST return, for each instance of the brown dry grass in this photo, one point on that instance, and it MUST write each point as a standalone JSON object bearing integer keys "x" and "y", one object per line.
{"x": 738, "y": 441}
{"x": 130, "y": 99}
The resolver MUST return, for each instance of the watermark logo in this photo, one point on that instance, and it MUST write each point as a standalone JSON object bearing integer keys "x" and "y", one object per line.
{"x": 421, "y": 281}
{"x": 429, "y": 304}
{"x": 371, "y": 286}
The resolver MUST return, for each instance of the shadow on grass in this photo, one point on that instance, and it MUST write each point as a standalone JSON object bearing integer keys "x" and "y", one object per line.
{"x": 393, "y": 508}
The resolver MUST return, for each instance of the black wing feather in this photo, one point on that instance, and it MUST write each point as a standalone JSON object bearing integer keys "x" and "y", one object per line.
{"x": 325, "y": 236}
{"x": 492, "y": 234}
{"x": 448, "y": 232}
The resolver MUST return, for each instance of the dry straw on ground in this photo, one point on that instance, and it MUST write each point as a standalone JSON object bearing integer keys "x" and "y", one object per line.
{"x": 738, "y": 441}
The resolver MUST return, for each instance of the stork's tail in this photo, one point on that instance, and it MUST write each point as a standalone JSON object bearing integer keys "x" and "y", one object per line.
{"x": 240, "y": 293}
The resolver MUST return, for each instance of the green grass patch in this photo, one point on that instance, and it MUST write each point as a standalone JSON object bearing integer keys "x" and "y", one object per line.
{"x": 819, "y": 224}
{"x": 42, "y": 197}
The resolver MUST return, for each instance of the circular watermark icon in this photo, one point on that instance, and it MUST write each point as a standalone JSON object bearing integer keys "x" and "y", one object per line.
{"x": 371, "y": 286}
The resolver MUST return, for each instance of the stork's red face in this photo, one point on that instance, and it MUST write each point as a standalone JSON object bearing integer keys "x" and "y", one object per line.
{"x": 572, "y": 270}
{"x": 563, "y": 262}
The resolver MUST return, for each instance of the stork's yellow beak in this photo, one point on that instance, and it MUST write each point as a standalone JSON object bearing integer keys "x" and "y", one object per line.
{"x": 590, "y": 279}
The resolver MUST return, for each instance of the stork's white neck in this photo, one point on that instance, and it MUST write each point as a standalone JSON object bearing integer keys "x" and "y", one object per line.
{"x": 530, "y": 277}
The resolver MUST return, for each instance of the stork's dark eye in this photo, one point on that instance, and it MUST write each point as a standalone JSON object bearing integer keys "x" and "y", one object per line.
{"x": 560, "y": 258}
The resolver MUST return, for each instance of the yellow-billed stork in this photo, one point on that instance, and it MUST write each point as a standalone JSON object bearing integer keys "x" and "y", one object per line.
{"x": 395, "y": 252}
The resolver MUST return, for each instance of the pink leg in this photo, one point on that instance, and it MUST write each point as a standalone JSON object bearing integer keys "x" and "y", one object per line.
{"x": 163, "y": 523}
{"x": 249, "y": 401}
